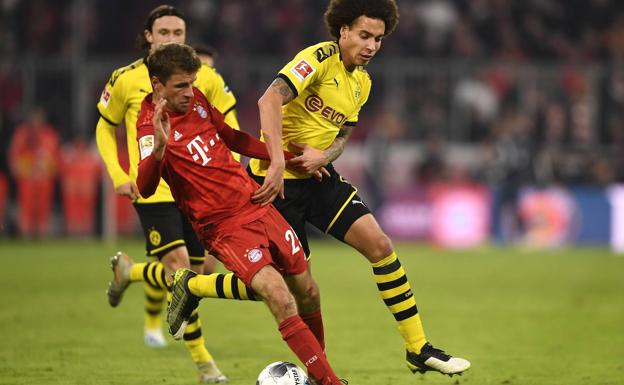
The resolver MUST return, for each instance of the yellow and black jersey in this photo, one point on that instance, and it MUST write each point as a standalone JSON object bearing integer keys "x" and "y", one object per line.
{"x": 121, "y": 101}
{"x": 327, "y": 97}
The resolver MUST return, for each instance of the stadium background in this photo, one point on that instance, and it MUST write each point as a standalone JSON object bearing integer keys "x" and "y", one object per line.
{"x": 494, "y": 127}
{"x": 515, "y": 106}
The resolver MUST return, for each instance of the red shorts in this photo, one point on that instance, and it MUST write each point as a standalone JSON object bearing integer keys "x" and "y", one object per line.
{"x": 269, "y": 240}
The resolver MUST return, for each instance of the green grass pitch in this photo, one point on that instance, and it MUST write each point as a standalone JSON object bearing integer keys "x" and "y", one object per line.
{"x": 520, "y": 317}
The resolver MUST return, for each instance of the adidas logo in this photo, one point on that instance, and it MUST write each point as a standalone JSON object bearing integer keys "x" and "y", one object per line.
{"x": 176, "y": 135}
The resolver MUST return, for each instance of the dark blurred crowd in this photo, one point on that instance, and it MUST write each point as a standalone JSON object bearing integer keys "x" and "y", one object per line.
{"x": 534, "y": 87}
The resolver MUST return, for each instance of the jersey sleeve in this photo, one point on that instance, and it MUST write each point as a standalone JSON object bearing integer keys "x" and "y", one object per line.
{"x": 150, "y": 169}
{"x": 112, "y": 104}
{"x": 302, "y": 71}
{"x": 106, "y": 141}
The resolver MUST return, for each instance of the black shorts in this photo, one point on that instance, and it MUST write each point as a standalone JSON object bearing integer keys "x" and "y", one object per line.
{"x": 165, "y": 229}
{"x": 331, "y": 205}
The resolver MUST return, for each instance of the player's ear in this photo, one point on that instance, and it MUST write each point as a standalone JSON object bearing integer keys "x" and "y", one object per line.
{"x": 148, "y": 36}
{"x": 156, "y": 84}
{"x": 343, "y": 31}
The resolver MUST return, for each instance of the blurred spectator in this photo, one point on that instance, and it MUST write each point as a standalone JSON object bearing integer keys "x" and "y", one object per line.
{"x": 387, "y": 132}
{"x": 510, "y": 168}
{"x": 80, "y": 176}
{"x": 432, "y": 167}
{"x": 33, "y": 159}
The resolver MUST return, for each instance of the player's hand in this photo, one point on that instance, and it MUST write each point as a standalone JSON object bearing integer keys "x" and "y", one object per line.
{"x": 162, "y": 128}
{"x": 272, "y": 186}
{"x": 128, "y": 189}
{"x": 310, "y": 161}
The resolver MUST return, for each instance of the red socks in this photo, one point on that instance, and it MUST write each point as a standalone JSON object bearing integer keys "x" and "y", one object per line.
{"x": 315, "y": 323}
{"x": 305, "y": 345}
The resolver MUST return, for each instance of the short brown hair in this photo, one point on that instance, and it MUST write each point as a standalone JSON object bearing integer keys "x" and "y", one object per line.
{"x": 166, "y": 59}
{"x": 156, "y": 13}
{"x": 344, "y": 12}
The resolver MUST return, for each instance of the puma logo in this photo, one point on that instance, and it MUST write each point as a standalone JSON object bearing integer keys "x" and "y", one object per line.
{"x": 355, "y": 201}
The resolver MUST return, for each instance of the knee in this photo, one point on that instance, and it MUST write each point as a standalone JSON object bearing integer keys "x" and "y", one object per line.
{"x": 381, "y": 247}
{"x": 175, "y": 260}
{"x": 310, "y": 298}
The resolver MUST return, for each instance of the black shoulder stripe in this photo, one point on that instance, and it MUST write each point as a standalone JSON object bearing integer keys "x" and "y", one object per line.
{"x": 352, "y": 124}
{"x": 108, "y": 121}
{"x": 292, "y": 86}
{"x": 325, "y": 52}
{"x": 229, "y": 110}
{"x": 120, "y": 71}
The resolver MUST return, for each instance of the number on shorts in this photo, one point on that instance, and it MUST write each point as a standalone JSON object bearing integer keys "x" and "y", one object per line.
{"x": 292, "y": 238}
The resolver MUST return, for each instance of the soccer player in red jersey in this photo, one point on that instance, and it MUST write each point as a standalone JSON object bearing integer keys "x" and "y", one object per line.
{"x": 183, "y": 139}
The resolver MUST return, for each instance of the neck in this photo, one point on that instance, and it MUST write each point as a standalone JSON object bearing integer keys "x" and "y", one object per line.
{"x": 349, "y": 67}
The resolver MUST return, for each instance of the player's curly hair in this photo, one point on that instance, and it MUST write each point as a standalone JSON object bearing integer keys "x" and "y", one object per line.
{"x": 168, "y": 58}
{"x": 156, "y": 13}
{"x": 344, "y": 12}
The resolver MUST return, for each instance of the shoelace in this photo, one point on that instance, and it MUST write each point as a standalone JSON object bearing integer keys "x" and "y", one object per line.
{"x": 438, "y": 353}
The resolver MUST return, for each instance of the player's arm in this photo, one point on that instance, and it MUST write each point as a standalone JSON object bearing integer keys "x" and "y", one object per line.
{"x": 311, "y": 159}
{"x": 107, "y": 147}
{"x": 151, "y": 164}
{"x": 245, "y": 144}
{"x": 270, "y": 106}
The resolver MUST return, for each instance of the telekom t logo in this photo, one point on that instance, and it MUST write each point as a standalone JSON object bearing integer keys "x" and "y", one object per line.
{"x": 197, "y": 148}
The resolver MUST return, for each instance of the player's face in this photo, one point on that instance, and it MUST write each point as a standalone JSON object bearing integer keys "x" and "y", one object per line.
{"x": 361, "y": 41}
{"x": 166, "y": 29}
{"x": 178, "y": 91}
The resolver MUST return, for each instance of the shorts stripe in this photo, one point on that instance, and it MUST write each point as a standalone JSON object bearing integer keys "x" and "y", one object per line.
{"x": 168, "y": 245}
{"x": 341, "y": 209}
{"x": 234, "y": 258}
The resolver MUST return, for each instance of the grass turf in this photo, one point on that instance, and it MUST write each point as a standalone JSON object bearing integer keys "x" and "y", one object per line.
{"x": 521, "y": 317}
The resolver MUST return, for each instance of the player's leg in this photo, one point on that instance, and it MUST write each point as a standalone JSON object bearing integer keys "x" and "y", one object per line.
{"x": 340, "y": 212}
{"x": 245, "y": 252}
{"x": 366, "y": 236}
{"x": 307, "y": 295}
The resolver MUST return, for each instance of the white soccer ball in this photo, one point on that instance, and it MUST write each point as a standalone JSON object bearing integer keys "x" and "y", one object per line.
{"x": 282, "y": 373}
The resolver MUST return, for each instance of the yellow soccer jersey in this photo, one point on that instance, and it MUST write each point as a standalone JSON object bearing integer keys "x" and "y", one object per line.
{"x": 328, "y": 97}
{"x": 121, "y": 100}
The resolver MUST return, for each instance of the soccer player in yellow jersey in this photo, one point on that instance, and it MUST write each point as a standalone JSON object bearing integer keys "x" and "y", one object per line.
{"x": 313, "y": 104}
{"x": 169, "y": 237}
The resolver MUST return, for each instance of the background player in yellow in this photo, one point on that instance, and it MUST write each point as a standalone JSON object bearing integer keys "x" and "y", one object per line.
{"x": 314, "y": 103}
{"x": 169, "y": 236}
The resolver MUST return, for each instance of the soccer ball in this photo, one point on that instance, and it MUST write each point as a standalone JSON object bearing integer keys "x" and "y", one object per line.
{"x": 282, "y": 373}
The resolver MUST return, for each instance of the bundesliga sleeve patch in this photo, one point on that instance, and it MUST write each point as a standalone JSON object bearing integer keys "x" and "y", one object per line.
{"x": 146, "y": 146}
{"x": 302, "y": 69}
{"x": 105, "y": 97}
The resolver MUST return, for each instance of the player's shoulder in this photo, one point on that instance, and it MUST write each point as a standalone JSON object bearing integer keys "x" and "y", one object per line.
{"x": 128, "y": 72}
{"x": 321, "y": 52}
{"x": 146, "y": 113}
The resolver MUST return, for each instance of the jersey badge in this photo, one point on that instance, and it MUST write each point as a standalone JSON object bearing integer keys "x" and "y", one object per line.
{"x": 176, "y": 135}
{"x": 302, "y": 69}
{"x": 146, "y": 146}
{"x": 254, "y": 255}
{"x": 357, "y": 93}
{"x": 154, "y": 237}
{"x": 105, "y": 97}
{"x": 201, "y": 111}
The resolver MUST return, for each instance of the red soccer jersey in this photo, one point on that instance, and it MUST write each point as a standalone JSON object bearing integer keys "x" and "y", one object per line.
{"x": 209, "y": 186}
